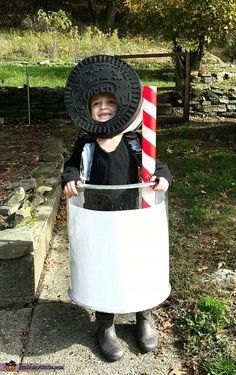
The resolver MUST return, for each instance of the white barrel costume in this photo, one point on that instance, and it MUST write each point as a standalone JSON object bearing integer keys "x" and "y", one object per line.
{"x": 119, "y": 260}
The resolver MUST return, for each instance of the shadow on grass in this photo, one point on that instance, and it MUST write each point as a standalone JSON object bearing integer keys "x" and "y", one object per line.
{"x": 199, "y": 130}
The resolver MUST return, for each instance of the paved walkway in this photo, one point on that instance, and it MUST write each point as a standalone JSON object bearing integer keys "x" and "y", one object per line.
{"x": 57, "y": 332}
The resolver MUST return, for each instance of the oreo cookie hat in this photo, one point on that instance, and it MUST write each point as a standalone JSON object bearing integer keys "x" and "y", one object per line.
{"x": 104, "y": 74}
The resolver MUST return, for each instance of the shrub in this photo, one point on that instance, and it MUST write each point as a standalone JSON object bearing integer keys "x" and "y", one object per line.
{"x": 48, "y": 21}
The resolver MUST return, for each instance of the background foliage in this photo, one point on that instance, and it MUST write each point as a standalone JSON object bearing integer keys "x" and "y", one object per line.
{"x": 189, "y": 24}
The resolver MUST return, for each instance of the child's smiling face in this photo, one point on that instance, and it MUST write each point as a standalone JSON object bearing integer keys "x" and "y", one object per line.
{"x": 103, "y": 107}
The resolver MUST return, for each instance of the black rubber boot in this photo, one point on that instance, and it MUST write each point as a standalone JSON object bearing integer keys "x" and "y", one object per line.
{"x": 146, "y": 331}
{"x": 108, "y": 342}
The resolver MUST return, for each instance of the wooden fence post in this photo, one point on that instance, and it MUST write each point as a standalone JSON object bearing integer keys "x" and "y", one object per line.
{"x": 186, "y": 87}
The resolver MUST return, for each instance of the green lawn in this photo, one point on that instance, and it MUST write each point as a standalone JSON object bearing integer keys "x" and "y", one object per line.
{"x": 53, "y": 76}
{"x": 40, "y": 76}
{"x": 201, "y": 200}
{"x": 202, "y": 211}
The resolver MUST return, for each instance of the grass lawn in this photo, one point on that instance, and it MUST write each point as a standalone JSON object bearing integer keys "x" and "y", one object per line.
{"x": 53, "y": 76}
{"x": 202, "y": 200}
{"x": 39, "y": 75}
{"x": 202, "y": 212}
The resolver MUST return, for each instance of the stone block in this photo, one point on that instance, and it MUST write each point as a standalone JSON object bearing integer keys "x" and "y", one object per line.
{"x": 48, "y": 156}
{"x": 214, "y": 98}
{"x": 46, "y": 169}
{"x": 52, "y": 181}
{"x": 15, "y": 243}
{"x": 23, "y": 255}
{"x": 206, "y": 103}
{"x": 17, "y": 196}
{"x": 17, "y": 281}
{"x": 37, "y": 200}
{"x": 23, "y": 215}
{"x": 207, "y": 79}
{"x": 204, "y": 74}
{"x": 229, "y": 114}
{"x": 195, "y": 78}
{"x": 206, "y": 109}
{"x": 41, "y": 189}
{"x": 218, "y": 108}
{"x": 166, "y": 97}
{"x": 217, "y": 91}
{"x": 223, "y": 100}
{"x": 26, "y": 183}
{"x": 196, "y": 93}
{"x": 7, "y": 210}
{"x": 193, "y": 102}
{"x": 164, "y": 109}
{"x": 231, "y": 107}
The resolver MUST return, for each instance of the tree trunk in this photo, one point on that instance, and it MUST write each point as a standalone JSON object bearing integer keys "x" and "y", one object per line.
{"x": 110, "y": 13}
{"x": 92, "y": 12}
{"x": 179, "y": 68}
{"x": 201, "y": 46}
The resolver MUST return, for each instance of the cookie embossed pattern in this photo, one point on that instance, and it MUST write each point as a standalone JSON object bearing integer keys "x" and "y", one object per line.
{"x": 113, "y": 76}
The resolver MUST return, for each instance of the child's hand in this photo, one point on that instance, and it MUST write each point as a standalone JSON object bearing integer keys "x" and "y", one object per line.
{"x": 161, "y": 183}
{"x": 70, "y": 188}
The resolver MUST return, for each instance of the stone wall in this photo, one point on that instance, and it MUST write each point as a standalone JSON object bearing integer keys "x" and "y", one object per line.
{"x": 27, "y": 218}
{"x": 204, "y": 76}
{"x": 214, "y": 101}
{"x": 45, "y": 103}
{"x": 48, "y": 103}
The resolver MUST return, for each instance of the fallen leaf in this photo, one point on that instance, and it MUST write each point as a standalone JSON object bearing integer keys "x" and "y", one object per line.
{"x": 196, "y": 309}
{"x": 176, "y": 371}
{"x": 224, "y": 195}
{"x": 159, "y": 352}
{"x": 167, "y": 324}
{"x": 202, "y": 268}
{"x": 164, "y": 335}
{"x": 221, "y": 264}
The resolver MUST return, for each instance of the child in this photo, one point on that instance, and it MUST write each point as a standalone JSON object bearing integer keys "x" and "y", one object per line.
{"x": 113, "y": 163}
{"x": 104, "y": 107}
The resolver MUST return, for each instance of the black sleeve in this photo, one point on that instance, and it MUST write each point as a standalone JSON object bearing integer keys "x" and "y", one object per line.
{"x": 162, "y": 170}
{"x": 71, "y": 168}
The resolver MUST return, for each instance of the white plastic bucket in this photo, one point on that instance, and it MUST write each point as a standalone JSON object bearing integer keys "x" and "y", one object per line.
{"x": 119, "y": 260}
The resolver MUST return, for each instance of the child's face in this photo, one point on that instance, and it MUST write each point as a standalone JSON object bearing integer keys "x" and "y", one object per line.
{"x": 103, "y": 107}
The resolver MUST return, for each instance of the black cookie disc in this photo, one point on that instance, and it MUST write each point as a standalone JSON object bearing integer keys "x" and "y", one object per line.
{"x": 99, "y": 74}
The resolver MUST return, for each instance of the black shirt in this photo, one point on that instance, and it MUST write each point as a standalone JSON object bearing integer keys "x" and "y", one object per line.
{"x": 117, "y": 167}
{"x": 121, "y": 167}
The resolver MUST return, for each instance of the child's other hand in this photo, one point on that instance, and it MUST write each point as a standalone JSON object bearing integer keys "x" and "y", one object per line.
{"x": 70, "y": 188}
{"x": 161, "y": 183}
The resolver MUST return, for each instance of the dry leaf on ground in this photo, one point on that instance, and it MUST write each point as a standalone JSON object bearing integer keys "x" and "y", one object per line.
{"x": 176, "y": 371}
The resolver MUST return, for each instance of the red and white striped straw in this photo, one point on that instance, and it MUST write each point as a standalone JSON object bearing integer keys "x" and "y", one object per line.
{"x": 149, "y": 152}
